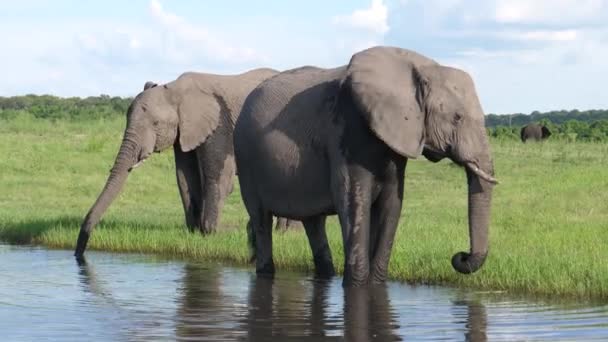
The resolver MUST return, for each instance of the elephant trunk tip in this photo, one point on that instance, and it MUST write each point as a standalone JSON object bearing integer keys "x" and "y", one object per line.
{"x": 467, "y": 263}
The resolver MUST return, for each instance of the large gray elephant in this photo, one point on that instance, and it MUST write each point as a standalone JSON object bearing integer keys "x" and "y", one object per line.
{"x": 313, "y": 142}
{"x": 195, "y": 114}
{"x": 535, "y": 132}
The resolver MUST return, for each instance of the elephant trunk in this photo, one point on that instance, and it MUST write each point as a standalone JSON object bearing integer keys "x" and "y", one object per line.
{"x": 127, "y": 157}
{"x": 480, "y": 199}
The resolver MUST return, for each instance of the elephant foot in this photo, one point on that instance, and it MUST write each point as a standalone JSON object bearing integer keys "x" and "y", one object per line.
{"x": 193, "y": 228}
{"x": 325, "y": 272}
{"x": 207, "y": 230}
{"x": 352, "y": 279}
{"x": 324, "y": 267}
{"x": 266, "y": 269}
{"x": 378, "y": 275}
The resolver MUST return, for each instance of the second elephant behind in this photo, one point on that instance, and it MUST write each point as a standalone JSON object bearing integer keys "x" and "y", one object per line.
{"x": 195, "y": 114}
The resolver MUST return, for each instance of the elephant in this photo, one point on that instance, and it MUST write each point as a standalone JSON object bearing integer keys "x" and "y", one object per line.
{"x": 195, "y": 114}
{"x": 312, "y": 142}
{"x": 534, "y": 132}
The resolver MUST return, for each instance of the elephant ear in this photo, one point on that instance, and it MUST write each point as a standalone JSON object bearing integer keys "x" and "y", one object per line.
{"x": 387, "y": 88}
{"x": 199, "y": 115}
{"x": 546, "y": 132}
{"x": 149, "y": 85}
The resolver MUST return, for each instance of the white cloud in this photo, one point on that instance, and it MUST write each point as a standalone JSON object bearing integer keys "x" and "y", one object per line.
{"x": 547, "y": 11}
{"x": 183, "y": 40}
{"x": 546, "y": 35}
{"x": 374, "y": 18}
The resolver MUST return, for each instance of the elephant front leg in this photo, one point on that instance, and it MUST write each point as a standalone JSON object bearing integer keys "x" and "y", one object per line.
{"x": 217, "y": 188}
{"x": 317, "y": 238}
{"x": 354, "y": 204}
{"x": 385, "y": 215}
{"x": 213, "y": 201}
{"x": 190, "y": 186}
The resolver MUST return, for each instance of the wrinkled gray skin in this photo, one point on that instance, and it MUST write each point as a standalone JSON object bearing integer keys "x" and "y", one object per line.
{"x": 195, "y": 114}
{"x": 534, "y": 132}
{"x": 313, "y": 142}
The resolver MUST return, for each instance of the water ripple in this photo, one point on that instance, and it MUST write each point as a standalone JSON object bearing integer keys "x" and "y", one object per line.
{"x": 47, "y": 295}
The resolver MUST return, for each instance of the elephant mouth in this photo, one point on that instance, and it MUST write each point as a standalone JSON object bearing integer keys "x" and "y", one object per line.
{"x": 432, "y": 154}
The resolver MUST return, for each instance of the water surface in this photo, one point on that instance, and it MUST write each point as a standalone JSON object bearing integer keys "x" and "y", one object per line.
{"x": 46, "y": 295}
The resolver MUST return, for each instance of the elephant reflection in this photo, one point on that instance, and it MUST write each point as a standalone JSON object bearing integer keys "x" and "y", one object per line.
{"x": 212, "y": 308}
{"x": 476, "y": 320}
{"x": 285, "y": 308}
{"x": 202, "y": 305}
{"x": 367, "y": 314}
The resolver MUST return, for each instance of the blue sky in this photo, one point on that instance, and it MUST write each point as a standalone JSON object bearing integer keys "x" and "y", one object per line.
{"x": 524, "y": 55}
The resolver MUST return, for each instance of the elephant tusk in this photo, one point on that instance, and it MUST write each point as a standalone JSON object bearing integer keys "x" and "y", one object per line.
{"x": 481, "y": 174}
{"x": 138, "y": 164}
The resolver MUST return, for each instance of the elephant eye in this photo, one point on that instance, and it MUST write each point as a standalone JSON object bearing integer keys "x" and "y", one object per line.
{"x": 457, "y": 117}
{"x": 155, "y": 123}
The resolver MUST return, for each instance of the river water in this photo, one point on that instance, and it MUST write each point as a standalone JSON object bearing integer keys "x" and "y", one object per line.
{"x": 46, "y": 295}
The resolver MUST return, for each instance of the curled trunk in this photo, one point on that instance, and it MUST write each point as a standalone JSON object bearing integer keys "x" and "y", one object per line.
{"x": 126, "y": 158}
{"x": 480, "y": 200}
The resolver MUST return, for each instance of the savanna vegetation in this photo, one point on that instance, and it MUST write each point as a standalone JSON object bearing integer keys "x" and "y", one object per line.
{"x": 548, "y": 229}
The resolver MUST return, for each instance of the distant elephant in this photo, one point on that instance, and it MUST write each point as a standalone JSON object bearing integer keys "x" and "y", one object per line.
{"x": 195, "y": 114}
{"x": 535, "y": 132}
{"x": 313, "y": 142}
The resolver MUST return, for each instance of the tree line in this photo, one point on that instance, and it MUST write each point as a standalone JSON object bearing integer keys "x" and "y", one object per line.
{"x": 573, "y": 125}
{"x": 58, "y": 108}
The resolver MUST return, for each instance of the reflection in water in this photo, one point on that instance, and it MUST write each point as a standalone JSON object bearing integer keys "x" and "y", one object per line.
{"x": 476, "y": 320}
{"x": 129, "y": 297}
{"x": 202, "y": 306}
{"x": 90, "y": 282}
{"x": 368, "y": 315}
{"x": 286, "y": 308}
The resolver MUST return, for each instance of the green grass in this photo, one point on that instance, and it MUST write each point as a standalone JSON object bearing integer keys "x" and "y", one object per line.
{"x": 549, "y": 232}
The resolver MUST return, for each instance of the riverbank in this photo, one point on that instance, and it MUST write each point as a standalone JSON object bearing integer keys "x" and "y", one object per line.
{"x": 548, "y": 230}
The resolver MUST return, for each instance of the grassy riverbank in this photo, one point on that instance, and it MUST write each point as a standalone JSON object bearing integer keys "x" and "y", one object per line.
{"x": 549, "y": 232}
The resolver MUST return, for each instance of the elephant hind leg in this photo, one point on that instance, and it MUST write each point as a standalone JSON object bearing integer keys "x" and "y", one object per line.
{"x": 283, "y": 224}
{"x": 260, "y": 225}
{"x": 317, "y": 238}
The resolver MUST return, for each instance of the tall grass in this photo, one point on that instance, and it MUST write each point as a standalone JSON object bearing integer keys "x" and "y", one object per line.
{"x": 549, "y": 229}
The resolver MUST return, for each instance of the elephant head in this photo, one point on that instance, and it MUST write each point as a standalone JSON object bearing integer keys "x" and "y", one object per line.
{"x": 179, "y": 112}
{"x": 416, "y": 106}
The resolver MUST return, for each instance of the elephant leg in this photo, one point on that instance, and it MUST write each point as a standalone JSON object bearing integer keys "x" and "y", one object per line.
{"x": 385, "y": 214}
{"x": 352, "y": 191}
{"x": 284, "y": 224}
{"x": 216, "y": 191}
{"x": 260, "y": 224}
{"x": 190, "y": 186}
{"x": 317, "y": 238}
